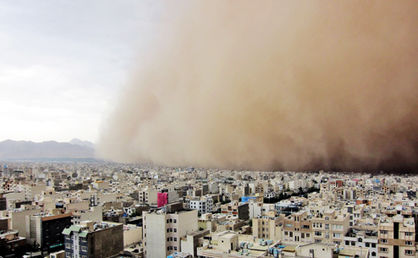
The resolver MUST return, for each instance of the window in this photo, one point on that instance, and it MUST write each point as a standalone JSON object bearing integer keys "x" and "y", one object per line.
{"x": 408, "y": 233}
{"x": 409, "y": 252}
{"x": 383, "y": 249}
{"x": 68, "y": 246}
{"x": 408, "y": 242}
{"x": 175, "y": 229}
{"x": 383, "y": 241}
{"x": 84, "y": 249}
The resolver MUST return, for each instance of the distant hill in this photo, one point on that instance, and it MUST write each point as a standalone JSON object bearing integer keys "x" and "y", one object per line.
{"x": 82, "y": 143}
{"x": 18, "y": 150}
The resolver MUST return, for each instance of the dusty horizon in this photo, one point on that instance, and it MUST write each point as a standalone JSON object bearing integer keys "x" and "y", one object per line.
{"x": 278, "y": 86}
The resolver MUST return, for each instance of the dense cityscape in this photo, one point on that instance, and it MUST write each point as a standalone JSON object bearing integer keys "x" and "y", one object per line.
{"x": 98, "y": 209}
{"x": 209, "y": 129}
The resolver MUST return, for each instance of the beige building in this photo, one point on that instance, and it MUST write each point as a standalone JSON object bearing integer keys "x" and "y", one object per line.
{"x": 296, "y": 228}
{"x": 131, "y": 235}
{"x": 231, "y": 244}
{"x": 330, "y": 227}
{"x": 92, "y": 214}
{"x": 148, "y": 196}
{"x": 162, "y": 231}
{"x": 396, "y": 237}
{"x": 20, "y": 220}
{"x": 265, "y": 228}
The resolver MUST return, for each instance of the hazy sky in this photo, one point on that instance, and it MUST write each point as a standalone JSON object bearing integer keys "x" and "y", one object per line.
{"x": 62, "y": 63}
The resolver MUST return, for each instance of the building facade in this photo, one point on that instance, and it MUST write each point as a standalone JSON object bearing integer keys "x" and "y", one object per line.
{"x": 92, "y": 239}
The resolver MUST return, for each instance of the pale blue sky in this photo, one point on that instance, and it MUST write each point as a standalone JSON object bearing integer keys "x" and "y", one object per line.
{"x": 63, "y": 62}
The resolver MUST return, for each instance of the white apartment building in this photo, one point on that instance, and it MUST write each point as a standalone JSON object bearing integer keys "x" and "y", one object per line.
{"x": 162, "y": 231}
{"x": 203, "y": 205}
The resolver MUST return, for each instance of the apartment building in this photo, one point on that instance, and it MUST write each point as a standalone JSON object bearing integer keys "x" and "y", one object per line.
{"x": 296, "y": 227}
{"x": 236, "y": 210}
{"x": 46, "y": 230}
{"x": 330, "y": 227}
{"x": 396, "y": 237}
{"x": 362, "y": 239}
{"x": 163, "y": 229}
{"x": 265, "y": 228}
{"x": 202, "y": 205}
{"x": 92, "y": 214}
{"x": 90, "y": 239}
{"x": 20, "y": 220}
{"x": 148, "y": 196}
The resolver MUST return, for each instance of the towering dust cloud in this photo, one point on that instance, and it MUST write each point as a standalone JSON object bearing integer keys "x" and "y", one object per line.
{"x": 266, "y": 85}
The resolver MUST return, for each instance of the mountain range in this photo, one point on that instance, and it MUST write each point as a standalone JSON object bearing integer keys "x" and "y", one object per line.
{"x": 28, "y": 150}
